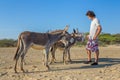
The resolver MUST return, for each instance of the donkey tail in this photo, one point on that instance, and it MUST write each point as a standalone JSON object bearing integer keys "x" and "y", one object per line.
{"x": 19, "y": 48}
{"x": 51, "y": 49}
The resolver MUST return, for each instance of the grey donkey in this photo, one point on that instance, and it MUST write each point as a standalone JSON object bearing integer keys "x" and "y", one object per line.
{"x": 41, "y": 41}
{"x": 65, "y": 44}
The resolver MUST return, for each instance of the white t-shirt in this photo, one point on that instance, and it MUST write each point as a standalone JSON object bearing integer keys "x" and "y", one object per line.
{"x": 93, "y": 28}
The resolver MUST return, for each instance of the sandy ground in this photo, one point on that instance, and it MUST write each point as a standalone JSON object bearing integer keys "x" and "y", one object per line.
{"x": 108, "y": 68}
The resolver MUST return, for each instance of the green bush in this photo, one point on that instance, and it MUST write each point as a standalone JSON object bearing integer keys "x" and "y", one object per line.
{"x": 8, "y": 43}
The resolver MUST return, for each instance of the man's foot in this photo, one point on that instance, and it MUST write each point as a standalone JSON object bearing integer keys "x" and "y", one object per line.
{"x": 87, "y": 62}
{"x": 95, "y": 63}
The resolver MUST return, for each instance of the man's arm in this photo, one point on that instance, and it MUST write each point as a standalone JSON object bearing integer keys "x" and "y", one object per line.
{"x": 99, "y": 29}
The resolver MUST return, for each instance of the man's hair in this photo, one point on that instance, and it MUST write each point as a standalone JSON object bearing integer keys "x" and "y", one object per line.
{"x": 91, "y": 14}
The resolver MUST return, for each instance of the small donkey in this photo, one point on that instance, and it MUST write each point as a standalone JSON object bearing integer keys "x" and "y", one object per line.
{"x": 65, "y": 44}
{"x": 41, "y": 41}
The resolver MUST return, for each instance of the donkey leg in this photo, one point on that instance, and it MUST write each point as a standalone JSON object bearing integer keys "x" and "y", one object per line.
{"x": 69, "y": 57}
{"x": 22, "y": 58}
{"x": 65, "y": 56}
{"x": 15, "y": 68}
{"x": 53, "y": 56}
{"x": 46, "y": 59}
{"x": 25, "y": 62}
{"x": 16, "y": 60}
{"x": 22, "y": 62}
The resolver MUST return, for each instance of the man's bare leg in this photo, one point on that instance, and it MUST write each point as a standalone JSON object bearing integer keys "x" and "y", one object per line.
{"x": 89, "y": 57}
{"x": 96, "y": 58}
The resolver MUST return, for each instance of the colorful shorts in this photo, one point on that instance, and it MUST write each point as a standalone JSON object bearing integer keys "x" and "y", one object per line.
{"x": 92, "y": 45}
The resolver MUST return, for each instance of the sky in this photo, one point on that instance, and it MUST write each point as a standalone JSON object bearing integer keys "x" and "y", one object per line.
{"x": 17, "y": 16}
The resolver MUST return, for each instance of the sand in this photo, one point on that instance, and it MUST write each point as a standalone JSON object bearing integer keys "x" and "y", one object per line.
{"x": 108, "y": 68}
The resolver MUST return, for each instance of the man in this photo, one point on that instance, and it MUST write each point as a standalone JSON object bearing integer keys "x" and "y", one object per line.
{"x": 92, "y": 44}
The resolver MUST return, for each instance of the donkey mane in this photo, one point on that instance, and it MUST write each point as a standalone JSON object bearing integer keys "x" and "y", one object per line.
{"x": 55, "y": 32}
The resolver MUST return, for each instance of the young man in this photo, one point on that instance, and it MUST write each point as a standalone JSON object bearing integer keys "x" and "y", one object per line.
{"x": 92, "y": 44}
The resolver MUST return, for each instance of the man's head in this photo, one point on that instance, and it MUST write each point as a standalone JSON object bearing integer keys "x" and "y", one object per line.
{"x": 91, "y": 15}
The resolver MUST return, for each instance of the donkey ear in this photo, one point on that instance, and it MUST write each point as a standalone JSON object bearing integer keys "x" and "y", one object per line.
{"x": 66, "y": 28}
{"x": 74, "y": 30}
{"x": 77, "y": 31}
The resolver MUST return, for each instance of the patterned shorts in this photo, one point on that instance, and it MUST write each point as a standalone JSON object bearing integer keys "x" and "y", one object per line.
{"x": 92, "y": 45}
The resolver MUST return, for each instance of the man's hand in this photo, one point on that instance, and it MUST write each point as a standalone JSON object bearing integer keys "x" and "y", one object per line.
{"x": 87, "y": 37}
{"x": 94, "y": 38}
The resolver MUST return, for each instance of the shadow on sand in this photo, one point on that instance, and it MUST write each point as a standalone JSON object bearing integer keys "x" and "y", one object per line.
{"x": 105, "y": 62}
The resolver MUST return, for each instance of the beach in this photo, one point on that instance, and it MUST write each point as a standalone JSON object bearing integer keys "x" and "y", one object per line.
{"x": 108, "y": 68}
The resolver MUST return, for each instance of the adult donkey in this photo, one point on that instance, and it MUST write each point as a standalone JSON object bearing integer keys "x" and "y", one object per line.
{"x": 65, "y": 44}
{"x": 41, "y": 41}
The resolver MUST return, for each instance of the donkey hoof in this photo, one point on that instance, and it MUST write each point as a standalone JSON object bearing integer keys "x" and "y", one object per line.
{"x": 51, "y": 63}
{"x": 70, "y": 60}
{"x": 23, "y": 70}
{"x": 65, "y": 63}
{"x": 16, "y": 72}
{"x": 48, "y": 68}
